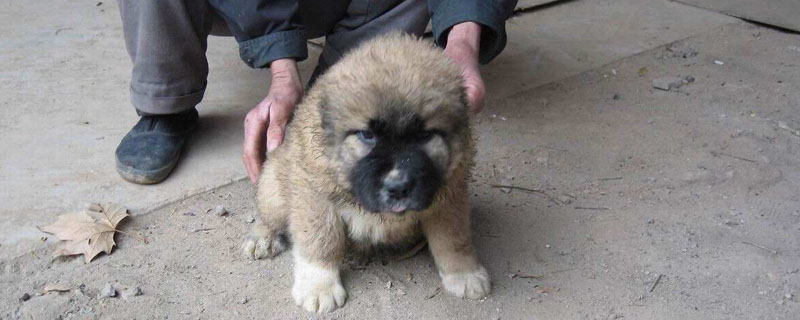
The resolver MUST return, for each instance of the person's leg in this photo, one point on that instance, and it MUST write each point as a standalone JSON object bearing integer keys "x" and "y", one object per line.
{"x": 365, "y": 19}
{"x": 166, "y": 40}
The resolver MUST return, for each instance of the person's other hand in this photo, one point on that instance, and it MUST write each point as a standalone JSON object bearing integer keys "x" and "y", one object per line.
{"x": 463, "y": 45}
{"x": 267, "y": 121}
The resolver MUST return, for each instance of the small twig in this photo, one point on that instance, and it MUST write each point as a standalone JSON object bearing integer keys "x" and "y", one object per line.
{"x": 527, "y": 276}
{"x": 413, "y": 252}
{"x": 761, "y": 247}
{"x": 203, "y": 229}
{"x": 655, "y": 283}
{"x": 536, "y": 191}
{"x": 612, "y": 178}
{"x": 435, "y": 293}
{"x": 517, "y": 188}
{"x": 592, "y": 208}
{"x": 62, "y": 29}
{"x": 717, "y": 154}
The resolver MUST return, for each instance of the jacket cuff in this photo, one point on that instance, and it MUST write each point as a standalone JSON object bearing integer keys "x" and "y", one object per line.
{"x": 260, "y": 52}
{"x": 452, "y": 12}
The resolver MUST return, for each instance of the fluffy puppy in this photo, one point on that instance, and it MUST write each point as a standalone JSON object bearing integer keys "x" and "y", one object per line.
{"x": 378, "y": 154}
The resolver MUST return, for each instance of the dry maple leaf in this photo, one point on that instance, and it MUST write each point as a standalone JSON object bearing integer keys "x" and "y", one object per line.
{"x": 88, "y": 232}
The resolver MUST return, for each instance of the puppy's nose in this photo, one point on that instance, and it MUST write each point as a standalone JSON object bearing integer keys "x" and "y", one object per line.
{"x": 398, "y": 186}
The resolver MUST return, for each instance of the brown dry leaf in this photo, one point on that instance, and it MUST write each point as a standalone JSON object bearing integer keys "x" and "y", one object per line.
{"x": 547, "y": 289}
{"x": 88, "y": 232}
{"x": 56, "y": 288}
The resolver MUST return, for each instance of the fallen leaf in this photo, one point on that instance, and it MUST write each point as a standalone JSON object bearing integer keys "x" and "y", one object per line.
{"x": 56, "y": 288}
{"x": 88, "y": 232}
{"x": 547, "y": 289}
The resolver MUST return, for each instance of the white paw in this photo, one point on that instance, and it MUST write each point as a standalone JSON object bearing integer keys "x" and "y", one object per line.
{"x": 472, "y": 285}
{"x": 317, "y": 289}
{"x": 258, "y": 247}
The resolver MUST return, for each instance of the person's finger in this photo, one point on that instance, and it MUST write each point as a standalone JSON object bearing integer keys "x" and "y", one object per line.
{"x": 476, "y": 92}
{"x": 279, "y": 116}
{"x": 255, "y": 126}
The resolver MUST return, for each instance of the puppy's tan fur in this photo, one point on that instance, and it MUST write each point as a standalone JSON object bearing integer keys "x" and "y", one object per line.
{"x": 303, "y": 190}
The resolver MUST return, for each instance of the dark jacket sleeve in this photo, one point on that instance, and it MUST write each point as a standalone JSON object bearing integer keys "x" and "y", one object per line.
{"x": 490, "y": 14}
{"x": 267, "y": 30}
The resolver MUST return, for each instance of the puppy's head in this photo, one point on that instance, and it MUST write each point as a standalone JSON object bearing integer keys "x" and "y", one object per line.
{"x": 395, "y": 122}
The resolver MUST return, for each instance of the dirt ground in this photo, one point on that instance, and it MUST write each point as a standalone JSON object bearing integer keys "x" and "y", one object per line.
{"x": 650, "y": 204}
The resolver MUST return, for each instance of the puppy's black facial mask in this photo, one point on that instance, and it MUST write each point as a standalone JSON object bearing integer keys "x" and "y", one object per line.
{"x": 397, "y": 174}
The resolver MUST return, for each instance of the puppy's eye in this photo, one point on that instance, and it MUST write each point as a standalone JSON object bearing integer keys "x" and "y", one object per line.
{"x": 424, "y": 136}
{"x": 366, "y": 136}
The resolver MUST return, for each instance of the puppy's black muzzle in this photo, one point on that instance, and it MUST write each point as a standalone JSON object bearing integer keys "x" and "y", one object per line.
{"x": 391, "y": 180}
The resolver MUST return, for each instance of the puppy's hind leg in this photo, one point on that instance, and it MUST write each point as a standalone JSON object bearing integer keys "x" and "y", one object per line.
{"x": 268, "y": 237}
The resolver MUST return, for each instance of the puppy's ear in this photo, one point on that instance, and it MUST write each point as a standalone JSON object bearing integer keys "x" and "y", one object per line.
{"x": 327, "y": 121}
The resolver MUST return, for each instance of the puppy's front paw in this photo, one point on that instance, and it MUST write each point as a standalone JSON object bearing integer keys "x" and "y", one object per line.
{"x": 257, "y": 246}
{"x": 320, "y": 297}
{"x": 472, "y": 285}
{"x": 317, "y": 289}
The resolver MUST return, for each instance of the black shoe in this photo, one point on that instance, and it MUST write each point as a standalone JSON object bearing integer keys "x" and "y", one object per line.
{"x": 149, "y": 152}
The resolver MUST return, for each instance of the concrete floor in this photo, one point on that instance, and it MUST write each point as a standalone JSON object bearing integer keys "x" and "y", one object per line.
{"x": 570, "y": 104}
{"x": 66, "y": 89}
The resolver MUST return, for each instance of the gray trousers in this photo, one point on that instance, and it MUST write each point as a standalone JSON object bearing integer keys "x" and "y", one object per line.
{"x": 167, "y": 41}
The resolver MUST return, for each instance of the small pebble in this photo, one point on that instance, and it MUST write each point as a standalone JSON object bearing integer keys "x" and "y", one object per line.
{"x": 107, "y": 292}
{"x": 719, "y": 63}
{"x": 564, "y": 199}
{"x": 129, "y": 292}
{"x": 400, "y": 292}
{"x": 389, "y": 285}
{"x": 667, "y": 83}
{"x": 787, "y": 296}
{"x": 507, "y": 181}
{"x": 26, "y": 297}
{"x": 547, "y": 246}
{"x": 243, "y": 300}
{"x": 220, "y": 211}
{"x": 250, "y": 219}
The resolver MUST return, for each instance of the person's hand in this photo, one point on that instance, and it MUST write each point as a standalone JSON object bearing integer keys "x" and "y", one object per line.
{"x": 268, "y": 119}
{"x": 463, "y": 45}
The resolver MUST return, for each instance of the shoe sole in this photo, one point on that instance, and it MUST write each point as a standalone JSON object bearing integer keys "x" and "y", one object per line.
{"x": 139, "y": 176}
